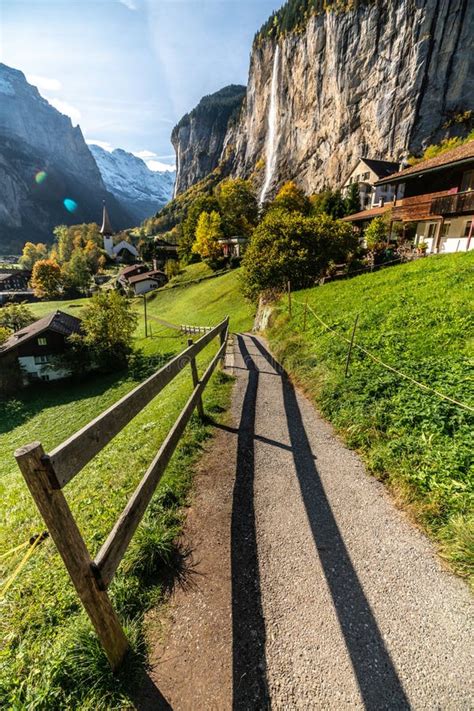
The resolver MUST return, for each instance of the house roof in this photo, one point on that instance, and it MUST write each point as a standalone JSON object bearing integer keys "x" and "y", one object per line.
{"x": 57, "y": 321}
{"x": 461, "y": 154}
{"x": 381, "y": 168}
{"x": 132, "y": 269}
{"x": 155, "y": 274}
{"x": 368, "y": 214}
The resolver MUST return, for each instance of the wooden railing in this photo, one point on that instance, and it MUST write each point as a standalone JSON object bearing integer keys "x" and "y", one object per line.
{"x": 47, "y": 474}
{"x": 453, "y": 204}
{"x": 193, "y": 329}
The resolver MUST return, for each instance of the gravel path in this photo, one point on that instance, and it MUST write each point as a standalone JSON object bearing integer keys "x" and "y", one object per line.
{"x": 316, "y": 592}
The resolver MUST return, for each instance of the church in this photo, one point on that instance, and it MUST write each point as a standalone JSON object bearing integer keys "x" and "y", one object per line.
{"x": 115, "y": 251}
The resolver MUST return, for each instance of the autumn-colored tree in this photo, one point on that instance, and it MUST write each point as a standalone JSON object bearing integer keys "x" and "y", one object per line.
{"x": 32, "y": 253}
{"x": 46, "y": 279}
{"x": 291, "y": 198}
{"x": 208, "y": 232}
{"x": 203, "y": 203}
{"x": 238, "y": 206}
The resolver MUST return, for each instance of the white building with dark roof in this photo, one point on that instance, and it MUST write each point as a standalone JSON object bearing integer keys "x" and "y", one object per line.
{"x": 366, "y": 173}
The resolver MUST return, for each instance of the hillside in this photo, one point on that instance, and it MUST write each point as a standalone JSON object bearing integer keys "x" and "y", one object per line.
{"x": 418, "y": 319}
{"x": 40, "y": 614}
{"x": 44, "y": 160}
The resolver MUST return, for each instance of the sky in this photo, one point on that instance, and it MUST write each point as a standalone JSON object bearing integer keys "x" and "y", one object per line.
{"x": 127, "y": 70}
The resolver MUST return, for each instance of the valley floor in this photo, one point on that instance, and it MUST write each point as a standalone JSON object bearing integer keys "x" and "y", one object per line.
{"x": 309, "y": 589}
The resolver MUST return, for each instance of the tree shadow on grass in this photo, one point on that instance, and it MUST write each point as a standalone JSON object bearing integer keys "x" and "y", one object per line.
{"x": 35, "y": 398}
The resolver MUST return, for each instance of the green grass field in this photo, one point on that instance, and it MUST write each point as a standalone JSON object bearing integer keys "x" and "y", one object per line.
{"x": 418, "y": 318}
{"x": 51, "y": 658}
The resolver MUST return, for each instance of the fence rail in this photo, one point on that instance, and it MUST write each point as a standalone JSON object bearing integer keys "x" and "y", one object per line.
{"x": 46, "y": 475}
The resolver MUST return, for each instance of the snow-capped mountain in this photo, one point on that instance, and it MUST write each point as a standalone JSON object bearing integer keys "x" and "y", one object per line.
{"x": 141, "y": 191}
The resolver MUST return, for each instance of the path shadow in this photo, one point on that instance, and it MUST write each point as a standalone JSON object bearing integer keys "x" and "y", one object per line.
{"x": 146, "y": 696}
{"x": 375, "y": 672}
{"x": 249, "y": 684}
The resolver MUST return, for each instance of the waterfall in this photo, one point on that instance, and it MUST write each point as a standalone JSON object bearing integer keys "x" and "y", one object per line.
{"x": 271, "y": 144}
{"x": 178, "y": 161}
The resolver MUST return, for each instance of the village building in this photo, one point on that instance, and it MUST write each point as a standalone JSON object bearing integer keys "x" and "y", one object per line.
{"x": 148, "y": 281}
{"x": 438, "y": 199}
{"x": 366, "y": 174}
{"x": 34, "y": 350}
{"x": 437, "y": 207}
{"x": 233, "y": 246}
{"x": 14, "y": 285}
{"x": 120, "y": 251}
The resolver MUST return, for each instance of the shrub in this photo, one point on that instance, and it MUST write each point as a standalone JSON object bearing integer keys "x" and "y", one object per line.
{"x": 292, "y": 247}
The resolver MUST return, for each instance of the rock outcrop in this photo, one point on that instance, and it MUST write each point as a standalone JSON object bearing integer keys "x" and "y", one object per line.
{"x": 44, "y": 161}
{"x": 199, "y": 137}
{"x": 138, "y": 189}
{"x": 383, "y": 80}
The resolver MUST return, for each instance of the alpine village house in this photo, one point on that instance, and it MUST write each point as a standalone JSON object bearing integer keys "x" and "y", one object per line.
{"x": 33, "y": 352}
{"x": 435, "y": 197}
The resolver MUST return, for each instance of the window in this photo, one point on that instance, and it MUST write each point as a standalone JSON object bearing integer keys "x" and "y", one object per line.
{"x": 41, "y": 359}
{"x": 45, "y": 377}
{"x": 431, "y": 230}
{"x": 467, "y": 230}
{"x": 42, "y": 341}
{"x": 467, "y": 181}
{"x": 445, "y": 229}
{"x": 366, "y": 176}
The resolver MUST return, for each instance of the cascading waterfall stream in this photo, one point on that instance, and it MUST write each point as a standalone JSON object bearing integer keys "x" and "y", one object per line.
{"x": 178, "y": 161}
{"x": 271, "y": 146}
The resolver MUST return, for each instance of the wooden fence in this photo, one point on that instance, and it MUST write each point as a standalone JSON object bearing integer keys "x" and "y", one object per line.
{"x": 47, "y": 474}
{"x": 194, "y": 329}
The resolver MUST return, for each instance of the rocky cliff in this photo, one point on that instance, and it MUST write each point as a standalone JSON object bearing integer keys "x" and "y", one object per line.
{"x": 140, "y": 190}
{"x": 47, "y": 173}
{"x": 199, "y": 137}
{"x": 382, "y": 79}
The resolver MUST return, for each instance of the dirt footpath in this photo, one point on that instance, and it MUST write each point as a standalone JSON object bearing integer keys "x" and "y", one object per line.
{"x": 309, "y": 589}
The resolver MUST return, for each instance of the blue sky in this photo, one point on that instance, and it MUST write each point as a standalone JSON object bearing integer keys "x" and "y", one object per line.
{"x": 127, "y": 70}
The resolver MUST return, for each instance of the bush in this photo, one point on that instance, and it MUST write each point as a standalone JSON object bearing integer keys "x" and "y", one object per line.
{"x": 291, "y": 247}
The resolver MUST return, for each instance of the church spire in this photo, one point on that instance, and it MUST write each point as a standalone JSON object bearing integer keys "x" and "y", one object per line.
{"x": 106, "y": 228}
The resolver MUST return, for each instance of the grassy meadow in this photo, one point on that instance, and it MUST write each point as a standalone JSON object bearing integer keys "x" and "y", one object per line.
{"x": 419, "y": 318}
{"x": 50, "y": 657}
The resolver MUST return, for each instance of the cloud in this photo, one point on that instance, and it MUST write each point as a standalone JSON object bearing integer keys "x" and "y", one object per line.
{"x": 154, "y": 161}
{"x": 44, "y": 83}
{"x": 102, "y": 144}
{"x": 158, "y": 166}
{"x": 68, "y": 109}
{"x": 131, "y": 4}
{"x": 144, "y": 155}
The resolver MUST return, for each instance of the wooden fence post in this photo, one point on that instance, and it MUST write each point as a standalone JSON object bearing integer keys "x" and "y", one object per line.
{"x": 41, "y": 481}
{"x": 195, "y": 375}
{"x": 350, "y": 346}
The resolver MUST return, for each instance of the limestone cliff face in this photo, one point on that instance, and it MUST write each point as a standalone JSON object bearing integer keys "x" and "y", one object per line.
{"x": 43, "y": 161}
{"x": 381, "y": 80}
{"x": 199, "y": 137}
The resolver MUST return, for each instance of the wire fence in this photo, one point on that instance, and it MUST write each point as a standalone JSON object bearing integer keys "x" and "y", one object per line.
{"x": 379, "y": 361}
{"x": 32, "y": 545}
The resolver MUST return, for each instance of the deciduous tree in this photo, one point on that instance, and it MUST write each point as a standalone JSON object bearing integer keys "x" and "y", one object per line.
{"x": 292, "y": 199}
{"x": 46, "y": 279}
{"x": 208, "y": 232}
{"x": 32, "y": 253}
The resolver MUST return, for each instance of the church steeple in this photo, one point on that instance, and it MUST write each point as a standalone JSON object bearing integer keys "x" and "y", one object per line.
{"x": 106, "y": 229}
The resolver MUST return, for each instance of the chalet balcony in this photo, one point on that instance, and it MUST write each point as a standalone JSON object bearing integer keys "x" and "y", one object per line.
{"x": 455, "y": 204}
